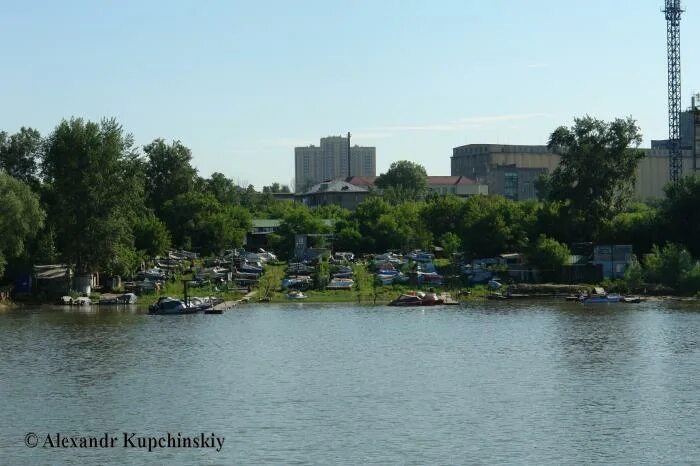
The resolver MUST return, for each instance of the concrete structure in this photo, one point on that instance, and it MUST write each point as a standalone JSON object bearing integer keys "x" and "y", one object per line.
{"x": 458, "y": 185}
{"x": 510, "y": 171}
{"x": 313, "y": 164}
{"x": 336, "y": 192}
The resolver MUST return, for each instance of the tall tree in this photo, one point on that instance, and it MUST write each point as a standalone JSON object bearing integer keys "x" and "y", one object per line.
{"x": 20, "y": 155}
{"x": 94, "y": 188}
{"x": 21, "y": 217}
{"x": 151, "y": 236}
{"x": 198, "y": 220}
{"x": 596, "y": 176}
{"x": 404, "y": 181}
{"x": 169, "y": 172}
{"x": 276, "y": 188}
{"x": 679, "y": 213}
{"x": 222, "y": 188}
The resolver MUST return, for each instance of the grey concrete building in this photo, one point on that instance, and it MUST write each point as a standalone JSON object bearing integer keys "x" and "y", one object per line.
{"x": 511, "y": 170}
{"x": 338, "y": 192}
{"x": 314, "y": 164}
{"x": 508, "y": 170}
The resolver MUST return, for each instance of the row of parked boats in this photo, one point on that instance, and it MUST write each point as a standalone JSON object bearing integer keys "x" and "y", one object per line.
{"x": 173, "y": 306}
{"x": 126, "y": 298}
{"x": 299, "y": 276}
{"x": 388, "y": 268}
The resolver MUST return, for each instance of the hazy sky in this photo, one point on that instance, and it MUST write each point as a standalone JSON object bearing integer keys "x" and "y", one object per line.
{"x": 242, "y": 83}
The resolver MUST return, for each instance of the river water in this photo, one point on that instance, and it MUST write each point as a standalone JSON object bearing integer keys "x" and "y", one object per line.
{"x": 535, "y": 383}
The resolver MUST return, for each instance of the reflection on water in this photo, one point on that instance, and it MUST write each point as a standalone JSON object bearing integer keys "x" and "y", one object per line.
{"x": 544, "y": 383}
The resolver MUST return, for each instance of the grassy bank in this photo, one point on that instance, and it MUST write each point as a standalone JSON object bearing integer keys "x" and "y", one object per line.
{"x": 365, "y": 290}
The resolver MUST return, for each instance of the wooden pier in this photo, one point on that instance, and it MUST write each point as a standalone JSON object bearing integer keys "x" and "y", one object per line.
{"x": 228, "y": 305}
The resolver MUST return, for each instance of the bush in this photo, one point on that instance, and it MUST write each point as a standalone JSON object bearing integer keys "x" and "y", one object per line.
{"x": 690, "y": 281}
{"x": 548, "y": 255}
{"x": 667, "y": 266}
{"x": 634, "y": 277}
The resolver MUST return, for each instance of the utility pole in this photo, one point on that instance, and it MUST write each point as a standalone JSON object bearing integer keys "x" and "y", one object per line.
{"x": 673, "y": 11}
{"x": 349, "y": 154}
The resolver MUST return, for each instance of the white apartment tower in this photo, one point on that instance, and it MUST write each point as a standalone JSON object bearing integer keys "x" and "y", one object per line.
{"x": 329, "y": 161}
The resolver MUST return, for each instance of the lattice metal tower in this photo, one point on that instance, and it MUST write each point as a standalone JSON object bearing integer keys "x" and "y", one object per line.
{"x": 673, "y": 11}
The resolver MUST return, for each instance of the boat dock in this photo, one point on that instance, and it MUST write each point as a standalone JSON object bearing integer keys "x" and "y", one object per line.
{"x": 228, "y": 305}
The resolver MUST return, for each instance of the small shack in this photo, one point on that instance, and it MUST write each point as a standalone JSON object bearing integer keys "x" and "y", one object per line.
{"x": 53, "y": 279}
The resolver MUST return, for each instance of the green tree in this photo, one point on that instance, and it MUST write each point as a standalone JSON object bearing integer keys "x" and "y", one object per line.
{"x": 679, "y": 214}
{"x": 640, "y": 225}
{"x": 94, "y": 188}
{"x": 151, "y": 236}
{"x": 366, "y": 216}
{"x": 492, "y": 225}
{"x": 596, "y": 176}
{"x": 21, "y": 217}
{"x": 295, "y": 222}
{"x": 347, "y": 237}
{"x": 198, "y": 220}
{"x": 269, "y": 282}
{"x": 20, "y": 155}
{"x": 222, "y": 188}
{"x": 443, "y": 214}
{"x": 276, "y": 188}
{"x": 169, "y": 173}
{"x": 404, "y": 181}
{"x": 668, "y": 265}
{"x": 634, "y": 277}
{"x": 450, "y": 243}
{"x": 548, "y": 255}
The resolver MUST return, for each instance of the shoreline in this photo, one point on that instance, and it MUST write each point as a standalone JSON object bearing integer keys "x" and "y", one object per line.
{"x": 352, "y": 300}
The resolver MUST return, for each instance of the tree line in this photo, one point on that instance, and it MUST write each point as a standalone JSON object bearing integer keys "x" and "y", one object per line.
{"x": 87, "y": 196}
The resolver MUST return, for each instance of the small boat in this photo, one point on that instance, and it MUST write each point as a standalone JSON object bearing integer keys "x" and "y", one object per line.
{"x": 340, "y": 284}
{"x": 65, "y": 300}
{"x": 494, "y": 284}
{"x": 601, "y": 299}
{"x": 300, "y": 282}
{"x": 171, "y": 306}
{"x": 429, "y": 278}
{"x": 417, "y": 299}
{"x": 296, "y": 295}
{"x": 633, "y": 299}
{"x": 386, "y": 279}
{"x": 126, "y": 298}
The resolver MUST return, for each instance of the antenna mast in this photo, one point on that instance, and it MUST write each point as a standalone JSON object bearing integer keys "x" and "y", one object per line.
{"x": 349, "y": 154}
{"x": 673, "y": 11}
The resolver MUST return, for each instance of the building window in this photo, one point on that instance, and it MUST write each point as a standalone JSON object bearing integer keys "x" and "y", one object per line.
{"x": 510, "y": 185}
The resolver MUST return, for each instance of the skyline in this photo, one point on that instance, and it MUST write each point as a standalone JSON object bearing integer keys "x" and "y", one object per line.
{"x": 242, "y": 85}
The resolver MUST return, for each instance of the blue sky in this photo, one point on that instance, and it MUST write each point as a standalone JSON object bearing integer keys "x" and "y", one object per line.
{"x": 242, "y": 83}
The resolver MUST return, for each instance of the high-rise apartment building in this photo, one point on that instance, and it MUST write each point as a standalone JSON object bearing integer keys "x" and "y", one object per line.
{"x": 314, "y": 164}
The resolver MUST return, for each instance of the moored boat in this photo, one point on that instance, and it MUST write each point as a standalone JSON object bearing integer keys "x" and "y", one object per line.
{"x": 601, "y": 299}
{"x": 296, "y": 295}
{"x": 417, "y": 299}
{"x": 171, "y": 306}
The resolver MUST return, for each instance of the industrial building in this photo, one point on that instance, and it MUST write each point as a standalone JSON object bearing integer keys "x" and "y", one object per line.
{"x": 315, "y": 164}
{"x": 511, "y": 170}
{"x": 460, "y": 186}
